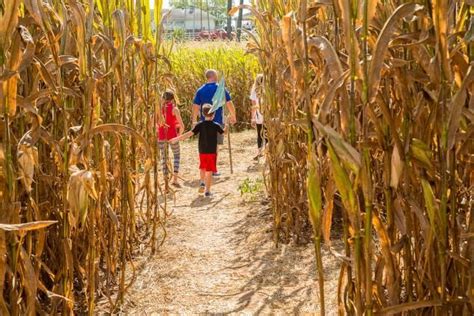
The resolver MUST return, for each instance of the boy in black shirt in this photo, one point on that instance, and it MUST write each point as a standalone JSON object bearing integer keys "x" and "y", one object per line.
{"x": 208, "y": 132}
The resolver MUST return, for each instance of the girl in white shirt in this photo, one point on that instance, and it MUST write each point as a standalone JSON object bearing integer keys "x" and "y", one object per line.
{"x": 257, "y": 116}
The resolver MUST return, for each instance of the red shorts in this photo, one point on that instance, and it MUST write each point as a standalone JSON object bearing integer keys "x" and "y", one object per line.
{"x": 207, "y": 162}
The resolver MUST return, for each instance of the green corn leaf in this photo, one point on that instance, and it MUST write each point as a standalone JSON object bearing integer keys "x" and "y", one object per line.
{"x": 421, "y": 152}
{"x": 314, "y": 195}
{"x": 430, "y": 204}
{"x": 343, "y": 183}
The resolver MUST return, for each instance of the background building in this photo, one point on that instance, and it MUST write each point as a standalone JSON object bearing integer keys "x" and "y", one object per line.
{"x": 189, "y": 19}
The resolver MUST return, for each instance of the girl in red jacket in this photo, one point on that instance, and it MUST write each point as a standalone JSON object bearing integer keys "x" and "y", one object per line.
{"x": 169, "y": 125}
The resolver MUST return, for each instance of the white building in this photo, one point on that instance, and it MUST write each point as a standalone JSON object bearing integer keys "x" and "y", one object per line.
{"x": 248, "y": 20}
{"x": 189, "y": 20}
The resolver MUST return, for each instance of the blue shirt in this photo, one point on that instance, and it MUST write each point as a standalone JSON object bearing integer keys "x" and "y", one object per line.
{"x": 204, "y": 95}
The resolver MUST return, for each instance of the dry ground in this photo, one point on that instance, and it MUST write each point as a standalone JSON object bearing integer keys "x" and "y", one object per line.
{"x": 219, "y": 257}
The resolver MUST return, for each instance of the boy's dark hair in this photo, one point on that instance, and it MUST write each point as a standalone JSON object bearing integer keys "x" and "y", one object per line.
{"x": 168, "y": 95}
{"x": 206, "y": 110}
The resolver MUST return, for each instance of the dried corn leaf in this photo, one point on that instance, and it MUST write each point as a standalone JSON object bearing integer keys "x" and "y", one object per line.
{"x": 81, "y": 187}
{"x": 396, "y": 168}
{"x": 383, "y": 40}
{"x": 27, "y": 158}
{"x": 3, "y": 268}
{"x": 24, "y": 227}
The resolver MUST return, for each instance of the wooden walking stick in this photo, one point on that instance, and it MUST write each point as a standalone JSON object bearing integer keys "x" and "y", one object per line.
{"x": 230, "y": 151}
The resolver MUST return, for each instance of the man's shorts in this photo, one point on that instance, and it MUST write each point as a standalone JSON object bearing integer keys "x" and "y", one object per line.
{"x": 220, "y": 137}
{"x": 207, "y": 162}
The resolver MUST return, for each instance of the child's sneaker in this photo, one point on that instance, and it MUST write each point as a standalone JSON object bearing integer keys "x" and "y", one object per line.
{"x": 208, "y": 194}
{"x": 202, "y": 187}
{"x": 216, "y": 174}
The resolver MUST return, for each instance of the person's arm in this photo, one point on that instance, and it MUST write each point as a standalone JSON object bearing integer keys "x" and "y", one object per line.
{"x": 231, "y": 108}
{"x": 195, "y": 114}
{"x": 196, "y": 129}
{"x": 253, "y": 113}
{"x": 221, "y": 130}
{"x": 181, "y": 137}
{"x": 177, "y": 113}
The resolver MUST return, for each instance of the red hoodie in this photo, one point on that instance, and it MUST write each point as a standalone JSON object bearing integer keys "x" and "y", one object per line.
{"x": 168, "y": 130}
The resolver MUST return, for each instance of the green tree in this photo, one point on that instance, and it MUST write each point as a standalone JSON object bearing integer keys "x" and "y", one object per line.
{"x": 217, "y": 8}
{"x": 181, "y": 4}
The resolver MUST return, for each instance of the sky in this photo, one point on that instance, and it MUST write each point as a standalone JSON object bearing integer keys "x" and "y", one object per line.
{"x": 166, "y": 3}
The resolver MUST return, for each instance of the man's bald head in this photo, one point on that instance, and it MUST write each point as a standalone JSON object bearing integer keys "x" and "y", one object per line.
{"x": 211, "y": 75}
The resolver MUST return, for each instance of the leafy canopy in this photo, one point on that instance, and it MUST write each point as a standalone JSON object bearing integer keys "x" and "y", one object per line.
{"x": 217, "y": 8}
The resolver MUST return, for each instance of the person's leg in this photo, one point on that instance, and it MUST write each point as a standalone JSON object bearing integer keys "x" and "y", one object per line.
{"x": 211, "y": 161}
{"x": 208, "y": 181}
{"x": 264, "y": 135}
{"x": 259, "y": 137}
{"x": 216, "y": 173}
{"x": 202, "y": 180}
{"x": 176, "y": 159}
{"x": 220, "y": 141}
{"x": 164, "y": 158}
{"x": 259, "y": 141}
{"x": 202, "y": 175}
{"x": 202, "y": 172}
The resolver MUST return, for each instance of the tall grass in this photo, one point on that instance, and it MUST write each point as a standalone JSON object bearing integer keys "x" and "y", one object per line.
{"x": 189, "y": 62}
{"x": 369, "y": 110}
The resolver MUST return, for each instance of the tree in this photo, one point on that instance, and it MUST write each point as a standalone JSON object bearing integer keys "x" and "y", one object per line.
{"x": 229, "y": 19}
{"x": 217, "y": 8}
{"x": 181, "y": 4}
{"x": 239, "y": 21}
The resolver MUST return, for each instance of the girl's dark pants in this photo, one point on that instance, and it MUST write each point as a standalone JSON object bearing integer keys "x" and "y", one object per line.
{"x": 261, "y": 137}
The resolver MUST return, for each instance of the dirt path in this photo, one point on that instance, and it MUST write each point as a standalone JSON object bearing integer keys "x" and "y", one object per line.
{"x": 219, "y": 256}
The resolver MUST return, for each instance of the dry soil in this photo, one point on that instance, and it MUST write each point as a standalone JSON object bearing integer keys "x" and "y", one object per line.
{"x": 219, "y": 257}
